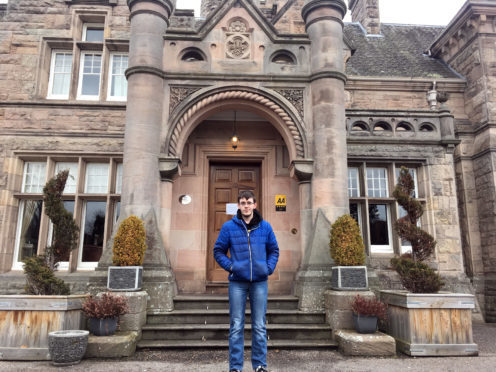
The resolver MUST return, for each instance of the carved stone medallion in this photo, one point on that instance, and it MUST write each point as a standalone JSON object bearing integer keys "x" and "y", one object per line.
{"x": 238, "y": 40}
{"x": 178, "y": 94}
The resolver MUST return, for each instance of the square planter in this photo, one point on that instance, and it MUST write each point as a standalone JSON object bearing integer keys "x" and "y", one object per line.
{"x": 26, "y": 321}
{"x": 433, "y": 324}
{"x": 125, "y": 278}
{"x": 349, "y": 278}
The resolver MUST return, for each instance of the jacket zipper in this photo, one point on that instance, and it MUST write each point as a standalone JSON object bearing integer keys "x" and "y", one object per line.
{"x": 251, "y": 263}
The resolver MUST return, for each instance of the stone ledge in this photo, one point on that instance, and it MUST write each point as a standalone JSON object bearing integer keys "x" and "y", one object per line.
{"x": 357, "y": 344}
{"x": 121, "y": 344}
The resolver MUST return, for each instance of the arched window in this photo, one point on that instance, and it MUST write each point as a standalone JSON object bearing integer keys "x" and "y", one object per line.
{"x": 426, "y": 127}
{"x": 404, "y": 126}
{"x": 382, "y": 126}
{"x": 192, "y": 55}
{"x": 283, "y": 57}
{"x": 360, "y": 126}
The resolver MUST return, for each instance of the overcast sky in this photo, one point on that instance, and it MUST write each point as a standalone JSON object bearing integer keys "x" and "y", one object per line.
{"x": 426, "y": 12}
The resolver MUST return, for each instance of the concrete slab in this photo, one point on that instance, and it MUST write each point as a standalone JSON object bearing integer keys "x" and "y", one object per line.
{"x": 357, "y": 344}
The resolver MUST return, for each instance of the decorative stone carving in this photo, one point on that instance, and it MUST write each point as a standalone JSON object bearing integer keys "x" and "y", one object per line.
{"x": 237, "y": 26}
{"x": 295, "y": 96}
{"x": 178, "y": 94}
{"x": 238, "y": 40}
{"x": 301, "y": 170}
{"x": 237, "y": 46}
{"x": 169, "y": 168}
{"x": 236, "y": 94}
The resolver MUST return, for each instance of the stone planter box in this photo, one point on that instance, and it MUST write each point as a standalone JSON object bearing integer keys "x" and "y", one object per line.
{"x": 349, "y": 278}
{"x": 437, "y": 324}
{"x": 125, "y": 278}
{"x": 26, "y": 321}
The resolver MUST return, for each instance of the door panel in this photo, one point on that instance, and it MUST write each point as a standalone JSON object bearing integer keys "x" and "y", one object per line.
{"x": 226, "y": 181}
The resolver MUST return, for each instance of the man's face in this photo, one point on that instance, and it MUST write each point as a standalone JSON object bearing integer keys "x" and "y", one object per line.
{"x": 246, "y": 206}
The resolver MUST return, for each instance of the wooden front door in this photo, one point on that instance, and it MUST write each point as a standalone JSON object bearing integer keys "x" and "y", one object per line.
{"x": 226, "y": 181}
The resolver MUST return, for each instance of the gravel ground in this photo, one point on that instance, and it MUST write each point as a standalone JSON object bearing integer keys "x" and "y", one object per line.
{"x": 282, "y": 360}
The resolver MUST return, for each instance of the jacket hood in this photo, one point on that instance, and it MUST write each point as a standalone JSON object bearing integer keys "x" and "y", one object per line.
{"x": 257, "y": 218}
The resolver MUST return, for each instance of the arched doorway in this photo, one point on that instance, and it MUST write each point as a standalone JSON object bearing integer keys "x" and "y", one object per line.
{"x": 213, "y": 173}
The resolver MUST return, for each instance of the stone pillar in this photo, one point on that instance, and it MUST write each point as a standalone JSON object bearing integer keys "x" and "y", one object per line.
{"x": 323, "y": 21}
{"x": 141, "y": 175}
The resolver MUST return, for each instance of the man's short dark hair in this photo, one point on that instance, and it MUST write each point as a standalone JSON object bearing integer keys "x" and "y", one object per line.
{"x": 247, "y": 194}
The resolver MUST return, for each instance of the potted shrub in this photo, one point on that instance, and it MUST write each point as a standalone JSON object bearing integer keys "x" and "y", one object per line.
{"x": 348, "y": 253}
{"x": 128, "y": 254}
{"x": 47, "y": 305}
{"x": 103, "y": 312}
{"x": 423, "y": 321}
{"x": 366, "y": 312}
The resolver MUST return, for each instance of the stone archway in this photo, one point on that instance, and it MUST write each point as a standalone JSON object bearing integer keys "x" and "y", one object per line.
{"x": 259, "y": 102}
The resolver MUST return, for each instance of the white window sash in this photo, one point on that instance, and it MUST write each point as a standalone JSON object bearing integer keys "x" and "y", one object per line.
{"x": 111, "y": 75}
{"x": 51, "y": 79}
{"x": 16, "y": 264}
{"x": 87, "y": 183}
{"x": 40, "y": 173}
{"x": 369, "y": 190}
{"x": 84, "y": 265}
{"x": 71, "y": 183}
{"x": 91, "y": 25}
{"x": 118, "y": 179}
{"x": 357, "y": 179}
{"x": 384, "y": 249}
{"x": 81, "y": 76}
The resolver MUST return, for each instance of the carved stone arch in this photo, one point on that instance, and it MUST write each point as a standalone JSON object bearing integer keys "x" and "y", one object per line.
{"x": 260, "y": 102}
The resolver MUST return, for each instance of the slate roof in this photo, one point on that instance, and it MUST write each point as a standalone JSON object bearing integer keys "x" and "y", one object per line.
{"x": 399, "y": 53}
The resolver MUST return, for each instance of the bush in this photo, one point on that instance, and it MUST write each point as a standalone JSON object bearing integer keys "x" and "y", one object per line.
{"x": 368, "y": 307}
{"x": 130, "y": 243}
{"x": 346, "y": 243}
{"x": 105, "y": 306}
{"x": 40, "y": 279}
{"x": 65, "y": 229}
{"x": 416, "y": 277}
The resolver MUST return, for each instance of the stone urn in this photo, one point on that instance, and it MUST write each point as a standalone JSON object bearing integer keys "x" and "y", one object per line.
{"x": 67, "y": 347}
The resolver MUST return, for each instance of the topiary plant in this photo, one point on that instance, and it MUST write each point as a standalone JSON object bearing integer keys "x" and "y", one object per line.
{"x": 346, "y": 243}
{"x": 39, "y": 270}
{"x": 415, "y": 275}
{"x": 130, "y": 243}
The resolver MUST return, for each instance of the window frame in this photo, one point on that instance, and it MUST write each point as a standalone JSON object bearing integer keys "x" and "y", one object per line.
{"x": 51, "y": 76}
{"x": 88, "y": 97}
{"x": 87, "y": 25}
{"x": 110, "y": 77}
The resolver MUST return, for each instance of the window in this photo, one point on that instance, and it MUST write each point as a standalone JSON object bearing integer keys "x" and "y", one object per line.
{"x": 283, "y": 57}
{"x": 70, "y": 184}
{"x": 374, "y": 208}
{"x": 93, "y": 32}
{"x": 93, "y": 199}
{"x": 117, "y": 89}
{"x": 34, "y": 177}
{"x": 96, "y": 178}
{"x": 60, "y": 75}
{"x": 89, "y": 76}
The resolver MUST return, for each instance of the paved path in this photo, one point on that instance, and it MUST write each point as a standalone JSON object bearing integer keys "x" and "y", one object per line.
{"x": 283, "y": 360}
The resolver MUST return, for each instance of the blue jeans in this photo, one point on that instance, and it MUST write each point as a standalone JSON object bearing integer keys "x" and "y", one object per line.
{"x": 238, "y": 292}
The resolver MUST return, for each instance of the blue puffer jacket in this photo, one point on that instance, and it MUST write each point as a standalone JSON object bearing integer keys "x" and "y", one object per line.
{"x": 254, "y": 253}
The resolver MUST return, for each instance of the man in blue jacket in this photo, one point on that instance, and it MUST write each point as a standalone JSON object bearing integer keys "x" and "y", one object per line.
{"x": 253, "y": 257}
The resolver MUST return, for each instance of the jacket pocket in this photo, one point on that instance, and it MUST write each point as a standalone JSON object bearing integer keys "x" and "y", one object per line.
{"x": 260, "y": 270}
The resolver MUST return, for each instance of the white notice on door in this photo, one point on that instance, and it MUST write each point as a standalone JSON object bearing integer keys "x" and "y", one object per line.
{"x": 231, "y": 208}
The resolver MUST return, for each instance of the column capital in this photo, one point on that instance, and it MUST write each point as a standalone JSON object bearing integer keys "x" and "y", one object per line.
{"x": 167, "y": 5}
{"x": 301, "y": 170}
{"x": 312, "y": 5}
{"x": 169, "y": 168}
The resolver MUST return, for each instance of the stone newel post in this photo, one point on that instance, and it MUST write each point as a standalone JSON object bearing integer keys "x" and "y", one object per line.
{"x": 141, "y": 176}
{"x": 323, "y": 20}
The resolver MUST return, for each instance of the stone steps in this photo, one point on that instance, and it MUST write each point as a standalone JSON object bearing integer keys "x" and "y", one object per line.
{"x": 219, "y": 316}
{"x": 224, "y": 344}
{"x": 203, "y": 322}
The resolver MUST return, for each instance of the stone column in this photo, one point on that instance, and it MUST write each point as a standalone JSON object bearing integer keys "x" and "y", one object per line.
{"x": 141, "y": 175}
{"x": 323, "y": 22}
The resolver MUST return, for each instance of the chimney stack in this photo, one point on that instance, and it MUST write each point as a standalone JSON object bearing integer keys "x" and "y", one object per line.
{"x": 367, "y": 13}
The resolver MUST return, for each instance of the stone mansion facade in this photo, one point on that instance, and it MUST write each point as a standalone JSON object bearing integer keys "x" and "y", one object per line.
{"x": 140, "y": 102}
